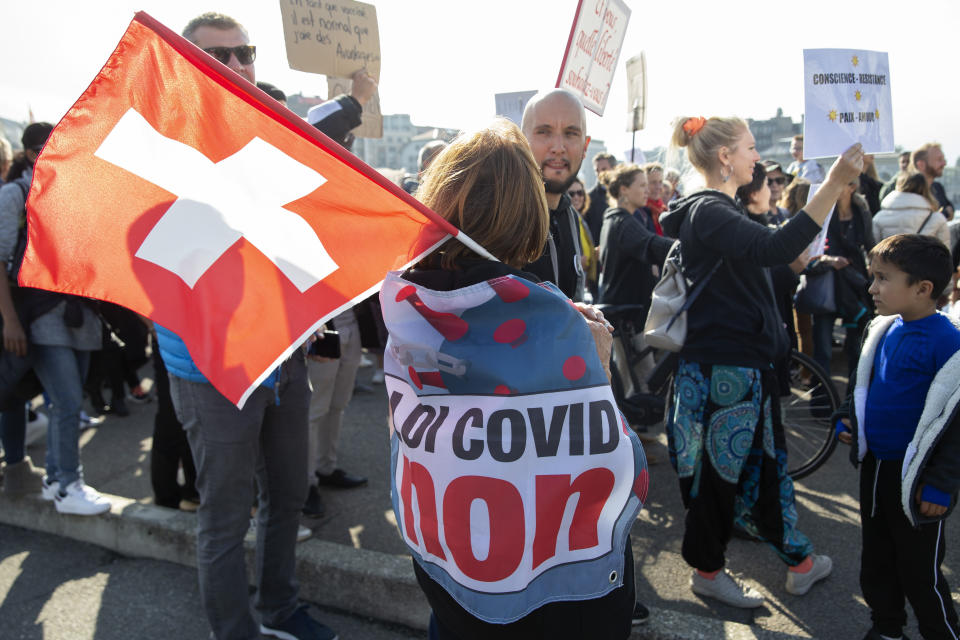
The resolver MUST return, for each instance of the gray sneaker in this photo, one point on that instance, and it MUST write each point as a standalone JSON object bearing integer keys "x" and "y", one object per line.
{"x": 799, "y": 583}
{"x": 726, "y": 589}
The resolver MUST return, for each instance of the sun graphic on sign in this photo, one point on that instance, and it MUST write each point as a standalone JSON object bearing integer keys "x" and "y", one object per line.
{"x": 856, "y": 60}
{"x": 858, "y": 95}
{"x": 832, "y": 115}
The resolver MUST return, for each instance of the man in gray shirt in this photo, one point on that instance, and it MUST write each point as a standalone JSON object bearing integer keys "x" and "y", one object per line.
{"x": 53, "y": 333}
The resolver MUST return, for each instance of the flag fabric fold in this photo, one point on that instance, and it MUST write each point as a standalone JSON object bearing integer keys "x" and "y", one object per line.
{"x": 176, "y": 188}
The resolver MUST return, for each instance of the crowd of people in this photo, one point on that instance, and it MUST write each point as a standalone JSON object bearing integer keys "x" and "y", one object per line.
{"x": 885, "y": 267}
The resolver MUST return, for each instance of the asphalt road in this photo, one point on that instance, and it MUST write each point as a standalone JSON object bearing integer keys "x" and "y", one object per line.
{"x": 57, "y": 589}
{"x": 116, "y": 460}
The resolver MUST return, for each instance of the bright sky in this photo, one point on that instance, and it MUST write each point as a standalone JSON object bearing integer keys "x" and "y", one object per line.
{"x": 444, "y": 60}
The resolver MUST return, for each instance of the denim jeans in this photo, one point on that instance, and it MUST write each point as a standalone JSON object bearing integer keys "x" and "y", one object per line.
{"x": 268, "y": 437}
{"x": 61, "y": 371}
{"x": 823, "y": 341}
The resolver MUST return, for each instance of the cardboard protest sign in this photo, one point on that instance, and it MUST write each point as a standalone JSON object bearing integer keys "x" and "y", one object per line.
{"x": 593, "y": 49}
{"x": 511, "y": 105}
{"x": 847, "y": 95}
{"x": 371, "y": 125}
{"x": 335, "y": 37}
{"x": 636, "y": 92}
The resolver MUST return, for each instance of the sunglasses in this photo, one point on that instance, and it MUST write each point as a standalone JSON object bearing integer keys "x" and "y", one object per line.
{"x": 772, "y": 181}
{"x": 246, "y": 53}
{"x": 578, "y": 192}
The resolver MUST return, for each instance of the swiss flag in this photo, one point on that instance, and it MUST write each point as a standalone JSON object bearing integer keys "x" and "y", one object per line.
{"x": 176, "y": 188}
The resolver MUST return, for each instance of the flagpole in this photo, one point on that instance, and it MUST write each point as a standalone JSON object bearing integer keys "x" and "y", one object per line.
{"x": 473, "y": 246}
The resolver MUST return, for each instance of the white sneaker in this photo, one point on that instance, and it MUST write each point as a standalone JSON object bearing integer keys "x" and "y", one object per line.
{"x": 87, "y": 421}
{"x": 81, "y": 500}
{"x": 799, "y": 583}
{"x": 377, "y": 377}
{"x": 726, "y": 589}
{"x": 303, "y": 533}
{"x": 251, "y": 534}
{"x": 49, "y": 488}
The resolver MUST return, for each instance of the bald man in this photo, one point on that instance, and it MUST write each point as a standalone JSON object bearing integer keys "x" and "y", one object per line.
{"x": 555, "y": 125}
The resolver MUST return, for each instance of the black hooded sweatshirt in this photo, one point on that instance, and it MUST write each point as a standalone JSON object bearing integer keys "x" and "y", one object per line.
{"x": 567, "y": 251}
{"x": 735, "y": 320}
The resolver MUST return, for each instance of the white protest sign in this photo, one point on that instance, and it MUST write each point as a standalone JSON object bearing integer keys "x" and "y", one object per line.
{"x": 511, "y": 105}
{"x": 636, "y": 92}
{"x": 592, "y": 51}
{"x": 335, "y": 38}
{"x": 847, "y": 96}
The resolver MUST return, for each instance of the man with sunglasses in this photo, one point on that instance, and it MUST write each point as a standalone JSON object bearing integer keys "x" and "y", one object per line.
{"x": 267, "y": 439}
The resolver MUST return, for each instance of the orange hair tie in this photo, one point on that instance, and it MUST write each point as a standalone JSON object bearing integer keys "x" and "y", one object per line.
{"x": 693, "y": 125}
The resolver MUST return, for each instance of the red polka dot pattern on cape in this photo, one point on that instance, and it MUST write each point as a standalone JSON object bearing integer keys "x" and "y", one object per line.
{"x": 511, "y": 332}
{"x": 450, "y": 326}
{"x": 509, "y": 289}
{"x": 574, "y": 368}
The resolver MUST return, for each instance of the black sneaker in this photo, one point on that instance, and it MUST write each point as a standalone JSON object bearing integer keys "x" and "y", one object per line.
{"x": 299, "y": 626}
{"x": 313, "y": 507}
{"x": 118, "y": 407}
{"x": 640, "y": 613}
{"x": 340, "y": 479}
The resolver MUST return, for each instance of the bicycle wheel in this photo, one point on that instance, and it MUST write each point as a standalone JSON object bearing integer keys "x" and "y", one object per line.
{"x": 806, "y": 413}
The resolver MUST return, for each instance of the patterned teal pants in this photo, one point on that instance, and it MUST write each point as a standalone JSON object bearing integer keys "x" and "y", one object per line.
{"x": 726, "y": 444}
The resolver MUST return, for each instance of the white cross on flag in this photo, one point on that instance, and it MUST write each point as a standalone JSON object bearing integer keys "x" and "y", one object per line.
{"x": 177, "y": 189}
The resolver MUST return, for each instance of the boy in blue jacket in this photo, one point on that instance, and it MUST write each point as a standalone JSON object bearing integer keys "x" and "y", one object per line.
{"x": 902, "y": 424}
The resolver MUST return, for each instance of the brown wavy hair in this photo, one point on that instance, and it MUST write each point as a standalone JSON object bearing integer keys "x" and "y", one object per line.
{"x": 489, "y": 186}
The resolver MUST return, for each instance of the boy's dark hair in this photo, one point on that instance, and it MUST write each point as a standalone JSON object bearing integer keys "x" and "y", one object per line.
{"x": 920, "y": 257}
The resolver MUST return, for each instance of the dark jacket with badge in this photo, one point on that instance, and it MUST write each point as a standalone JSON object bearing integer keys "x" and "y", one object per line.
{"x": 735, "y": 320}
{"x": 560, "y": 261}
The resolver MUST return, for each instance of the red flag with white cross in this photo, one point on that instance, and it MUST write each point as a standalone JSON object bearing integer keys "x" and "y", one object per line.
{"x": 176, "y": 188}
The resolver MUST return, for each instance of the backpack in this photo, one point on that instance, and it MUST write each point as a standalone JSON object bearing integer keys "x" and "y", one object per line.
{"x": 666, "y": 326}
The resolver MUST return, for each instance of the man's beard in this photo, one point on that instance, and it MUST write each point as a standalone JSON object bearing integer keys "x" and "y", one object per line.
{"x": 556, "y": 186}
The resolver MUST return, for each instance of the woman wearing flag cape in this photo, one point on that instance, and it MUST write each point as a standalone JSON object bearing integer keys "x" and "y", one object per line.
{"x": 501, "y": 413}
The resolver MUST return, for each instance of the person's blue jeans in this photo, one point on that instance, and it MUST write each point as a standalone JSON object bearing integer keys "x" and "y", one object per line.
{"x": 13, "y": 433}
{"x": 823, "y": 341}
{"x": 268, "y": 437}
{"x": 61, "y": 371}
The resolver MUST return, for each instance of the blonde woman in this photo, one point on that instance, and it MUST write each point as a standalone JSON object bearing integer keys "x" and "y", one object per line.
{"x": 911, "y": 209}
{"x": 725, "y": 440}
